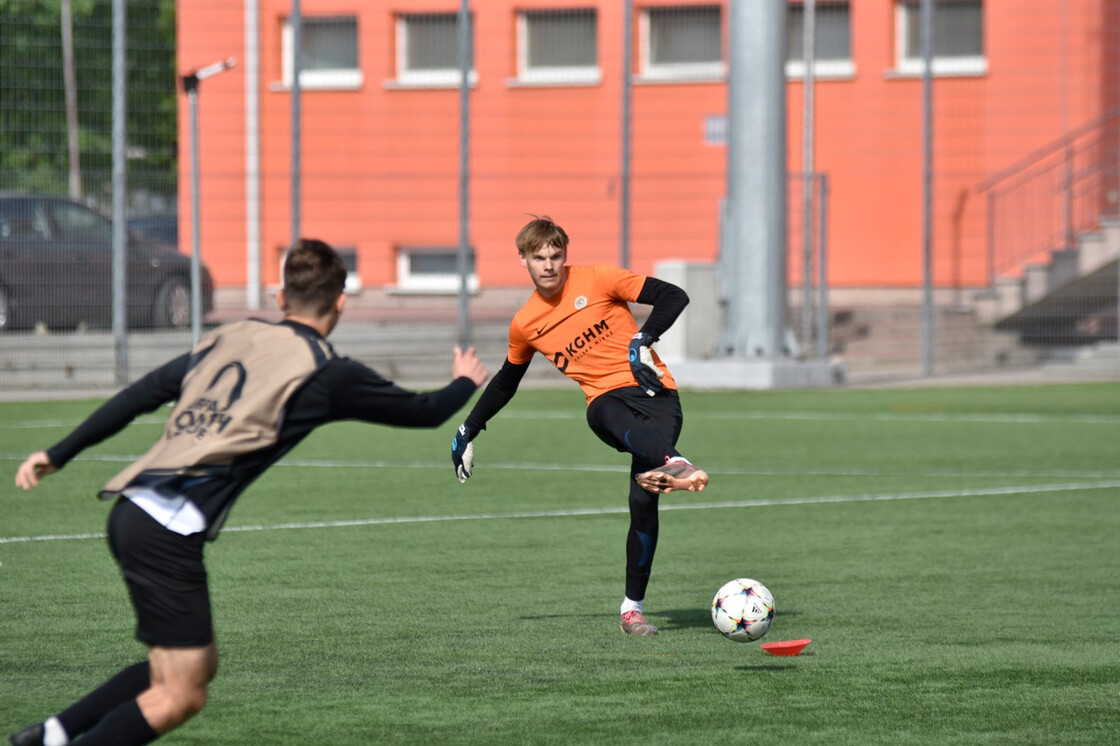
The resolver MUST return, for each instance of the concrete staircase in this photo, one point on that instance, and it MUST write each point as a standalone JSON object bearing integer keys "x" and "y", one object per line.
{"x": 1068, "y": 300}
{"x": 887, "y": 341}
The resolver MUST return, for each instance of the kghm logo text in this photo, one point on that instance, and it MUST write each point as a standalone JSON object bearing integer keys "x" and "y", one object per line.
{"x": 579, "y": 346}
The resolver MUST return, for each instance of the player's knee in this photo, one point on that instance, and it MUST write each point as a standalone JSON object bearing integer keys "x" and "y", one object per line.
{"x": 188, "y": 703}
{"x": 196, "y": 700}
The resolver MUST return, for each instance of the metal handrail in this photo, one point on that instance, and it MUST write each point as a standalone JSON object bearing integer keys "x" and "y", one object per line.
{"x": 1042, "y": 202}
{"x": 1050, "y": 148}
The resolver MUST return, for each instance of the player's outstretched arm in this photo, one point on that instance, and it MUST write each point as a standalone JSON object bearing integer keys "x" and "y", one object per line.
{"x": 466, "y": 364}
{"x": 35, "y": 467}
{"x": 496, "y": 395}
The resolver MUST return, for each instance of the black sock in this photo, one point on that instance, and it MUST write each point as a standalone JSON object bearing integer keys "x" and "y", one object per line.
{"x": 86, "y": 712}
{"x": 124, "y": 726}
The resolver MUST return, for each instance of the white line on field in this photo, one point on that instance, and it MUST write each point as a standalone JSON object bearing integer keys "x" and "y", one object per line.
{"x": 71, "y": 424}
{"x": 930, "y": 495}
{"x": 998, "y": 418}
{"x": 617, "y": 468}
{"x": 1015, "y": 418}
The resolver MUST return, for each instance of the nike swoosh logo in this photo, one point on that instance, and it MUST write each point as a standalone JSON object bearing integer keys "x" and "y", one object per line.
{"x": 550, "y": 327}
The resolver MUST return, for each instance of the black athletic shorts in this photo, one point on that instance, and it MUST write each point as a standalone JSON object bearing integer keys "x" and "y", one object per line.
{"x": 165, "y": 576}
{"x": 611, "y": 414}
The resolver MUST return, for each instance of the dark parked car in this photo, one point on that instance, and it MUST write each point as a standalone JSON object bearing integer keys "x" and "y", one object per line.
{"x": 56, "y": 268}
{"x": 156, "y": 228}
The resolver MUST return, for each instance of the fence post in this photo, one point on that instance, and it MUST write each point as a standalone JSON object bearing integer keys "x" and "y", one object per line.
{"x": 1069, "y": 198}
{"x": 991, "y": 238}
{"x": 822, "y": 270}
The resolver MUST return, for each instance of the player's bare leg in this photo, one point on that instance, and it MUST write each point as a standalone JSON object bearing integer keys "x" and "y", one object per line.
{"x": 676, "y": 474}
{"x": 180, "y": 678}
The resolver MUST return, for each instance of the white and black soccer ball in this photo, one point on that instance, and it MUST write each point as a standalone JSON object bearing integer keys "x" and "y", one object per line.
{"x": 743, "y": 610}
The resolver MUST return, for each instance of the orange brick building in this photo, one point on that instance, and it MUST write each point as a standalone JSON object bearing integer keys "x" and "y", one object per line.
{"x": 380, "y": 161}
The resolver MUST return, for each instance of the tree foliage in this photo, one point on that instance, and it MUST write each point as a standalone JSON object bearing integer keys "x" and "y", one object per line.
{"x": 33, "y": 137}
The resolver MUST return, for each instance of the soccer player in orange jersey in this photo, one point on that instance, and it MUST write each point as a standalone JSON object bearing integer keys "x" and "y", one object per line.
{"x": 579, "y": 319}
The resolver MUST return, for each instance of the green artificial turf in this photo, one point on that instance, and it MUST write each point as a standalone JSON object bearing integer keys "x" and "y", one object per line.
{"x": 954, "y": 554}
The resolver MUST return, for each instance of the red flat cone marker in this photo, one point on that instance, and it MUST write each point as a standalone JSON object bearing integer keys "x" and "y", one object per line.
{"x": 785, "y": 647}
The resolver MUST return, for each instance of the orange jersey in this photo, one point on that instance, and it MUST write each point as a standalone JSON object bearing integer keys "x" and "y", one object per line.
{"x": 585, "y": 329}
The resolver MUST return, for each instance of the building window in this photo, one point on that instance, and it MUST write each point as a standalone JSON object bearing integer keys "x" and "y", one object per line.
{"x": 557, "y": 46}
{"x": 958, "y": 37}
{"x": 682, "y": 42}
{"x": 349, "y": 257}
{"x": 832, "y": 53}
{"x": 328, "y": 52}
{"x": 433, "y": 269}
{"x": 428, "y": 50}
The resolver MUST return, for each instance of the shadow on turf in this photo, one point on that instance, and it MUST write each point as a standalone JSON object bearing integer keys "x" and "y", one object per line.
{"x": 690, "y": 618}
{"x": 667, "y": 619}
{"x": 768, "y": 667}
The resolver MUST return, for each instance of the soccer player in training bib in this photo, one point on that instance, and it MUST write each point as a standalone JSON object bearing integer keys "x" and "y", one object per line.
{"x": 246, "y": 395}
{"x": 579, "y": 319}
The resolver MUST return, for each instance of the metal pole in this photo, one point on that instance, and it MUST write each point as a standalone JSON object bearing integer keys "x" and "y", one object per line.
{"x": 297, "y": 66}
{"x": 757, "y": 179}
{"x": 190, "y": 85}
{"x": 1067, "y": 187}
{"x": 992, "y": 239}
{"x": 624, "y": 171}
{"x": 70, "y": 88}
{"x": 822, "y": 277}
{"x": 927, "y": 138}
{"x": 464, "y": 172}
{"x": 809, "y": 40}
{"x": 120, "y": 192}
{"x": 252, "y": 157}
{"x": 196, "y": 273}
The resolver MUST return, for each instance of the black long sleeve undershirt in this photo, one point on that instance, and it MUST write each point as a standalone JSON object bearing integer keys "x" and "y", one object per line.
{"x": 668, "y": 302}
{"x": 496, "y": 395}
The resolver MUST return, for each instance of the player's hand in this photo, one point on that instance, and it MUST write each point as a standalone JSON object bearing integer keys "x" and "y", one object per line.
{"x": 34, "y": 468}
{"x": 467, "y": 364}
{"x": 642, "y": 366}
{"x": 462, "y": 453}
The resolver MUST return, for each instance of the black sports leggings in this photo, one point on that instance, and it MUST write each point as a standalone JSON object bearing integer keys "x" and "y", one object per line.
{"x": 646, "y": 427}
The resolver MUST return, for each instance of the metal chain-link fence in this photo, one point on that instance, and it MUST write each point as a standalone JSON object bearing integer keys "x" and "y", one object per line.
{"x": 1025, "y": 225}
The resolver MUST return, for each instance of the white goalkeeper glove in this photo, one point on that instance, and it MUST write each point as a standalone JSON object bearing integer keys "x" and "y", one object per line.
{"x": 645, "y": 371}
{"x": 462, "y": 453}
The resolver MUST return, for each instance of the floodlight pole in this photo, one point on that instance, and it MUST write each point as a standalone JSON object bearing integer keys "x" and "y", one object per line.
{"x": 190, "y": 85}
{"x": 120, "y": 195}
{"x": 463, "y": 256}
{"x": 927, "y": 186}
{"x": 809, "y": 44}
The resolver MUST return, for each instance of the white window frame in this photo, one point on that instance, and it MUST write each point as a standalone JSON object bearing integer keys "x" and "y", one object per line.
{"x": 343, "y": 78}
{"x": 910, "y": 62}
{"x": 353, "y": 284}
{"x": 444, "y": 77}
{"x": 444, "y": 283}
{"x": 832, "y": 68}
{"x": 556, "y": 74}
{"x": 700, "y": 71}
{"x": 349, "y": 256}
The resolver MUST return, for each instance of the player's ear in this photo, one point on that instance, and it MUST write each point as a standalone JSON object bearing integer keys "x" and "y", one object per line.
{"x": 281, "y": 300}
{"x": 524, "y": 260}
{"x": 340, "y": 303}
